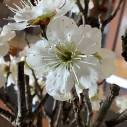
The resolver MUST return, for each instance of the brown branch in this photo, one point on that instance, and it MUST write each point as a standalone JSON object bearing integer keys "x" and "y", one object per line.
{"x": 115, "y": 121}
{"x": 106, "y": 105}
{"x": 37, "y": 87}
{"x": 39, "y": 118}
{"x": 86, "y": 2}
{"x": 54, "y": 120}
{"x": 88, "y": 105}
{"x": 26, "y": 39}
{"x": 6, "y": 100}
{"x": 21, "y": 94}
{"x": 109, "y": 19}
{"x": 42, "y": 102}
{"x": 28, "y": 95}
{"x": 80, "y": 6}
{"x": 76, "y": 110}
{"x": 7, "y": 115}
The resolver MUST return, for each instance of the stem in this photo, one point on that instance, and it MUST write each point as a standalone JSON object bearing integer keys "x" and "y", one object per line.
{"x": 21, "y": 94}
{"x": 121, "y": 118}
{"x": 86, "y": 2}
{"x": 88, "y": 107}
{"x": 7, "y": 115}
{"x": 106, "y": 105}
{"x": 6, "y": 100}
{"x": 54, "y": 121}
{"x": 80, "y": 6}
{"x": 109, "y": 19}
{"x": 28, "y": 95}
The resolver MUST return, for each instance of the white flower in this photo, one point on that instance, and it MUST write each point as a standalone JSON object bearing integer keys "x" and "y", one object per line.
{"x": 70, "y": 58}
{"x": 5, "y": 36}
{"x": 41, "y": 13}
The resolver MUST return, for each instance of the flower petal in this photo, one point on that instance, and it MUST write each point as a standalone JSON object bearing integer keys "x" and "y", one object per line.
{"x": 4, "y": 48}
{"x": 17, "y": 26}
{"x": 107, "y": 65}
{"x": 36, "y": 54}
{"x": 59, "y": 85}
{"x": 61, "y": 29}
{"x": 87, "y": 77}
{"x": 91, "y": 39}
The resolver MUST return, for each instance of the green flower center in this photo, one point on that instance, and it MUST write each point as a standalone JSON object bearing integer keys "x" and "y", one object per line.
{"x": 67, "y": 52}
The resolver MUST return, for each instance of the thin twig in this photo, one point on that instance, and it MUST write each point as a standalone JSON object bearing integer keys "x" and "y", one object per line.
{"x": 7, "y": 115}
{"x": 28, "y": 95}
{"x": 88, "y": 107}
{"x": 106, "y": 105}
{"x": 6, "y": 100}
{"x": 26, "y": 39}
{"x": 38, "y": 90}
{"x": 80, "y": 6}
{"x": 76, "y": 110}
{"x": 56, "y": 122}
{"x": 86, "y": 3}
{"x": 119, "y": 119}
{"x": 119, "y": 25}
{"x": 42, "y": 102}
{"x": 112, "y": 15}
{"x": 21, "y": 94}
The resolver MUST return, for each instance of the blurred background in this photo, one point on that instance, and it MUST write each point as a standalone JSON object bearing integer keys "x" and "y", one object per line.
{"x": 113, "y": 32}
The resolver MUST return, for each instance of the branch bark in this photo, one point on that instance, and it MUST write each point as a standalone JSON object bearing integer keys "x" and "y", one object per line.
{"x": 106, "y": 105}
{"x": 109, "y": 19}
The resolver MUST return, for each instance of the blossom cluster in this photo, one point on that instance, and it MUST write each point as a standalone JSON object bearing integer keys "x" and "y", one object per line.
{"x": 68, "y": 56}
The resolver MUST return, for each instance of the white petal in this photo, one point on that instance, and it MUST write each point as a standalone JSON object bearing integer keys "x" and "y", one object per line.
{"x": 7, "y": 34}
{"x": 107, "y": 66}
{"x": 58, "y": 84}
{"x": 4, "y": 48}
{"x": 17, "y": 26}
{"x": 64, "y": 6}
{"x": 89, "y": 81}
{"x": 27, "y": 11}
{"x": 91, "y": 39}
{"x": 61, "y": 29}
{"x": 87, "y": 77}
{"x": 36, "y": 54}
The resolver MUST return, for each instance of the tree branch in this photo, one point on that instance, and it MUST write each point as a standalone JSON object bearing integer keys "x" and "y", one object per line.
{"x": 121, "y": 118}
{"x": 7, "y": 115}
{"x": 106, "y": 105}
{"x": 112, "y": 15}
{"x": 21, "y": 94}
{"x": 88, "y": 107}
{"x": 6, "y": 100}
{"x": 86, "y": 2}
{"x": 28, "y": 95}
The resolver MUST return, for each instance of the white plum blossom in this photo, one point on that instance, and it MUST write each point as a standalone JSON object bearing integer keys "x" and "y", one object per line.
{"x": 28, "y": 14}
{"x": 5, "y": 35}
{"x": 71, "y": 58}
